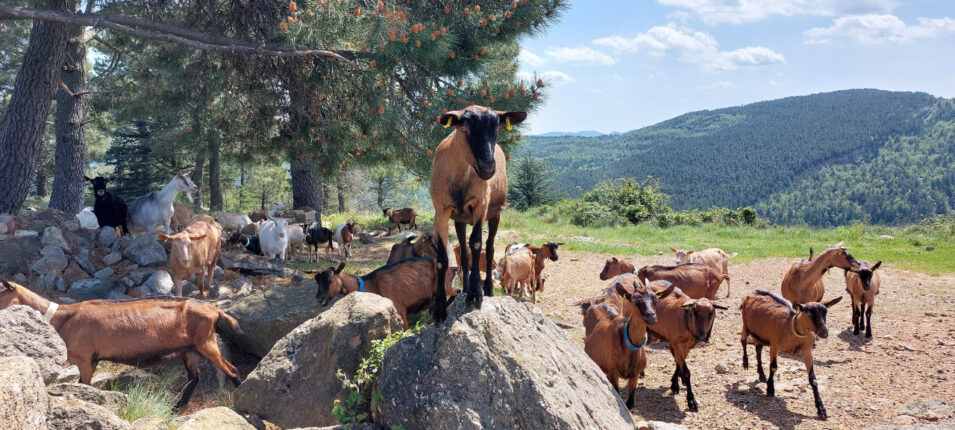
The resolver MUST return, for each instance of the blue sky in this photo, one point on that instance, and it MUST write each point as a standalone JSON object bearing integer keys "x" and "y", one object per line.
{"x": 617, "y": 65}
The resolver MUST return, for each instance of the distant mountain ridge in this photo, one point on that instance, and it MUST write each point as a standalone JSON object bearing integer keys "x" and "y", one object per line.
{"x": 822, "y": 159}
{"x": 585, "y": 133}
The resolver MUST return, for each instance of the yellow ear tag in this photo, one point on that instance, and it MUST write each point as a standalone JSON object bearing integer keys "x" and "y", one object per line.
{"x": 449, "y": 123}
{"x": 507, "y": 123}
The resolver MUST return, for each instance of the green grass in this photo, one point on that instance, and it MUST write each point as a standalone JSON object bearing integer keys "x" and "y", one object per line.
{"x": 151, "y": 399}
{"x": 906, "y": 249}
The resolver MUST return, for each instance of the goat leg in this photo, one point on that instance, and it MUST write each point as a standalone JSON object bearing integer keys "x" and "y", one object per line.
{"x": 820, "y": 409}
{"x": 492, "y": 224}
{"x": 631, "y": 389}
{"x": 770, "y": 386}
{"x": 868, "y": 321}
{"x": 191, "y": 361}
{"x": 745, "y": 357}
{"x": 675, "y": 381}
{"x": 861, "y": 317}
{"x": 855, "y": 320}
{"x": 759, "y": 363}
{"x": 690, "y": 398}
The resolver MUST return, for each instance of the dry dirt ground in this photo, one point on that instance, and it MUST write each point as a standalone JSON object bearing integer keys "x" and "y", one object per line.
{"x": 863, "y": 382}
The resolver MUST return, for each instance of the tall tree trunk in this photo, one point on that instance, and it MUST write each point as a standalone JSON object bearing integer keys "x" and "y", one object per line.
{"x": 381, "y": 193}
{"x": 326, "y": 198}
{"x": 196, "y": 178}
{"x": 341, "y": 194}
{"x": 215, "y": 187}
{"x": 41, "y": 177}
{"x": 22, "y": 127}
{"x": 70, "y": 159}
{"x": 307, "y": 188}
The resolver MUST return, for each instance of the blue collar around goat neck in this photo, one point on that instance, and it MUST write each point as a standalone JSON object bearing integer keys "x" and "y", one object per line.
{"x": 248, "y": 240}
{"x": 361, "y": 285}
{"x": 626, "y": 337}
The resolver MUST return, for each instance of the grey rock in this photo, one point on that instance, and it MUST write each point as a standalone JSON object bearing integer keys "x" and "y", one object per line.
{"x": 503, "y": 366}
{"x": 52, "y": 236}
{"x": 9, "y": 223}
{"x": 20, "y": 278}
{"x": 121, "y": 380}
{"x": 658, "y": 425}
{"x": 112, "y": 258}
{"x": 83, "y": 259}
{"x": 248, "y": 264}
{"x": 106, "y": 236}
{"x": 137, "y": 292}
{"x": 146, "y": 251}
{"x": 118, "y": 294}
{"x": 26, "y": 233}
{"x": 67, "y": 374}
{"x": 53, "y": 261}
{"x": 242, "y": 286}
{"x": 67, "y": 301}
{"x": 17, "y": 253}
{"x": 24, "y": 396}
{"x": 140, "y": 276}
{"x": 159, "y": 283}
{"x": 68, "y": 413}
{"x": 74, "y": 272}
{"x": 91, "y": 289}
{"x": 219, "y": 418}
{"x": 221, "y": 292}
{"x": 150, "y": 423}
{"x": 71, "y": 225}
{"x": 722, "y": 368}
{"x": 103, "y": 273}
{"x": 296, "y": 385}
{"x": 131, "y": 267}
{"x": 24, "y": 333}
{"x": 266, "y": 317}
{"x": 112, "y": 400}
{"x": 218, "y": 273}
{"x": 929, "y": 410}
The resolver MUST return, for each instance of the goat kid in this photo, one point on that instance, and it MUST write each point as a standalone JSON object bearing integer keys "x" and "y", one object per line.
{"x": 773, "y": 321}
{"x": 343, "y": 235}
{"x": 251, "y": 243}
{"x": 614, "y": 267}
{"x": 139, "y": 332}
{"x": 713, "y": 257}
{"x": 863, "y": 287}
{"x": 318, "y": 235}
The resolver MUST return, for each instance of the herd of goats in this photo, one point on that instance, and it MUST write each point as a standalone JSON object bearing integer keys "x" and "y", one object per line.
{"x": 672, "y": 304}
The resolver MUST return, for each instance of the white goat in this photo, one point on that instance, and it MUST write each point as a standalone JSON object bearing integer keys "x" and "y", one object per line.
{"x": 296, "y": 236}
{"x": 154, "y": 210}
{"x": 232, "y": 221}
{"x": 273, "y": 239}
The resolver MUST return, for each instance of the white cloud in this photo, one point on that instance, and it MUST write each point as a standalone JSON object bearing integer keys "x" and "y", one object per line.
{"x": 529, "y": 58}
{"x": 880, "y": 29}
{"x": 581, "y": 56}
{"x": 717, "y": 85}
{"x": 693, "y": 47}
{"x": 552, "y": 77}
{"x": 740, "y": 11}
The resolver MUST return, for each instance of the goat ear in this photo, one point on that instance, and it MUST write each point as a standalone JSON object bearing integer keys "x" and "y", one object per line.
{"x": 832, "y": 302}
{"x": 689, "y": 252}
{"x": 810, "y": 253}
{"x": 339, "y": 268}
{"x": 9, "y": 286}
{"x": 87, "y": 178}
{"x": 195, "y": 238}
{"x": 721, "y": 307}
{"x": 622, "y": 291}
{"x": 876, "y": 265}
{"x": 665, "y": 292}
{"x": 162, "y": 236}
{"x": 673, "y": 250}
{"x": 688, "y": 305}
{"x": 450, "y": 118}
{"x": 798, "y": 307}
{"x": 559, "y": 243}
{"x": 511, "y": 118}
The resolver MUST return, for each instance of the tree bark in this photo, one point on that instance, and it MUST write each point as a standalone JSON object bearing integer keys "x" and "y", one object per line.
{"x": 307, "y": 188}
{"x": 341, "y": 195}
{"x": 215, "y": 187}
{"x": 22, "y": 127}
{"x": 196, "y": 178}
{"x": 71, "y": 104}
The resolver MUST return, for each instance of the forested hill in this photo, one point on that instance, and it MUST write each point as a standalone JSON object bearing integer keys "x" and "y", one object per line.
{"x": 822, "y": 159}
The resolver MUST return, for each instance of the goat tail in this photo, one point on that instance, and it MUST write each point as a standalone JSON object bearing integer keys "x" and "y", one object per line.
{"x": 230, "y": 322}
{"x": 732, "y": 255}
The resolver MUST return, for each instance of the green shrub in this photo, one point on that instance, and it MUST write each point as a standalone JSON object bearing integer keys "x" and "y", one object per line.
{"x": 150, "y": 399}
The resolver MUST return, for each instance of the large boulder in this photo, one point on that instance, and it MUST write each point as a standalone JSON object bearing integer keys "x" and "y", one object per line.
{"x": 295, "y": 385}
{"x": 112, "y": 400}
{"x": 24, "y": 333}
{"x": 219, "y": 418}
{"x": 146, "y": 251}
{"x": 53, "y": 261}
{"x": 248, "y": 264}
{"x": 91, "y": 289}
{"x": 22, "y": 394}
{"x": 502, "y": 366}
{"x": 17, "y": 253}
{"x": 159, "y": 283}
{"x": 266, "y": 317}
{"x": 69, "y": 413}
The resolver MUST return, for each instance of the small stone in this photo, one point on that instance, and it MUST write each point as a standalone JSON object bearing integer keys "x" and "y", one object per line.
{"x": 52, "y": 236}
{"x": 112, "y": 258}
{"x": 107, "y": 236}
{"x": 104, "y": 273}
{"x": 904, "y": 420}
{"x": 25, "y": 233}
{"x": 722, "y": 369}
{"x": 131, "y": 267}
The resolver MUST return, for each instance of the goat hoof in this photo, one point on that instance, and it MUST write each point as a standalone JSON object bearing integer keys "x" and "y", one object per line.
{"x": 675, "y": 389}
{"x": 692, "y": 406}
{"x": 762, "y": 378}
{"x": 868, "y": 334}
{"x": 770, "y": 393}
{"x": 822, "y": 414}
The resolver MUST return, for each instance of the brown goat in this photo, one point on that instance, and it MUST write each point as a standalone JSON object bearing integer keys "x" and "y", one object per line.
{"x": 181, "y": 215}
{"x": 258, "y": 215}
{"x": 695, "y": 280}
{"x": 862, "y": 288}
{"x": 469, "y": 186}
{"x": 409, "y": 284}
{"x": 614, "y": 267}
{"x": 424, "y": 246}
{"x": 400, "y": 216}
{"x": 713, "y": 257}
{"x": 773, "y": 321}
{"x": 615, "y": 342}
{"x": 517, "y": 271}
{"x": 194, "y": 252}
{"x": 803, "y": 281}
{"x": 547, "y": 251}
{"x": 139, "y": 332}
{"x": 483, "y": 259}
{"x": 683, "y": 323}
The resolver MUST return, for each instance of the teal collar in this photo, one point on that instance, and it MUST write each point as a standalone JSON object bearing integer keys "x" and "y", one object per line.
{"x": 361, "y": 284}
{"x": 626, "y": 338}
{"x": 247, "y": 241}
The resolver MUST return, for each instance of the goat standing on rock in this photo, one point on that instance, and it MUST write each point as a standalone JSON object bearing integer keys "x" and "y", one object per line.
{"x": 154, "y": 210}
{"x": 469, "y": 186}
{"x": 194, "y": 252}
{"x": 110, "y": 209}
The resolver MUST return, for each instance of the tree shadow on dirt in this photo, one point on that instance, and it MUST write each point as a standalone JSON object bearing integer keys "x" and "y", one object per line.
{"x": 855, "y": 341}
{"x": 769, "y": 409}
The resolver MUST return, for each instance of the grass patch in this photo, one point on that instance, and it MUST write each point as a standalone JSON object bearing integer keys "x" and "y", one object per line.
{"x": 900, "y": 247}
{"x": 151, "y": 399}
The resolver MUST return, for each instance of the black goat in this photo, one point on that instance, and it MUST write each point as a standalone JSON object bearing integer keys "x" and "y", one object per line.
{"x": 251, "y": 243}
{"x": 110, "y": 210}
{"x": 318, "y": 235}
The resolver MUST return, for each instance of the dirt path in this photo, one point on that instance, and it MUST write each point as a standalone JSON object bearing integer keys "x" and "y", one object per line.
{"x": 862, "y": 382}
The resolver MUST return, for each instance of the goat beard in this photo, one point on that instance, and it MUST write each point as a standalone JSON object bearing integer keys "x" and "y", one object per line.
{"x": 189, "y": 196}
